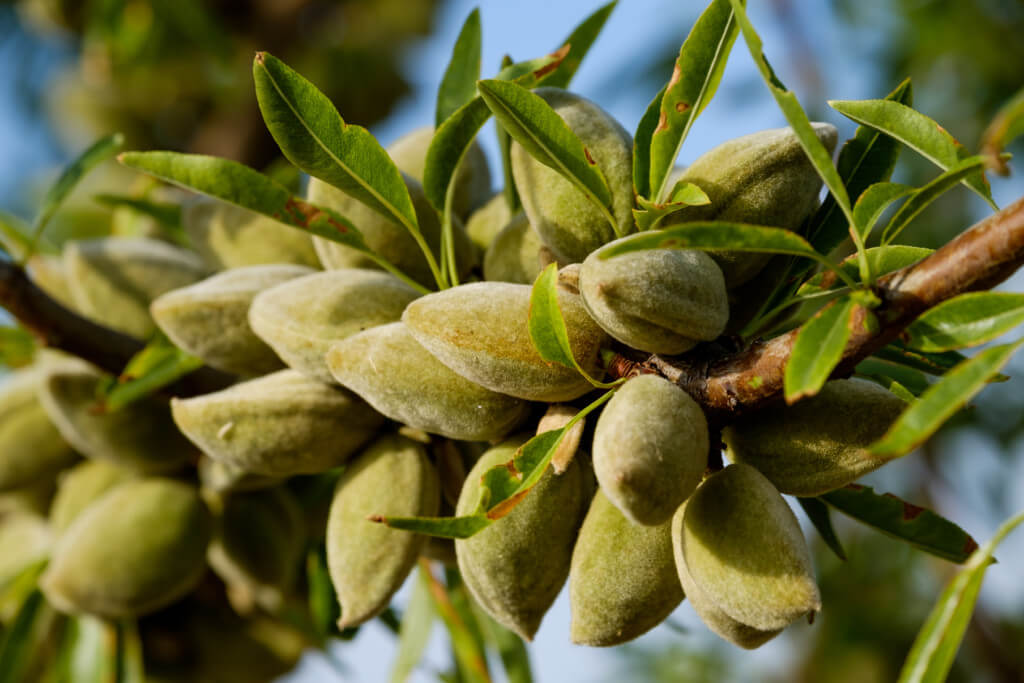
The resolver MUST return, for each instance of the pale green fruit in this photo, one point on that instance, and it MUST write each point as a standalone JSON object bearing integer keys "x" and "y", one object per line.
{"x": 47, "y": 272}
{"x": 31, "y": 448}
{"x": 650, "y": 448}
{"x": 113, "y": 280}
{"x": 623, "y": 580}
{"x": 80, "y": 486}
{"x": 516, "y": 567}
{"x": 487, "y": 221}
{"x": 221, "y": 477}
{"x": 567, "y": 222}
{"x": 514, "y": 255}
{"x": 140, "y": 436}
{"x": 228, "y": 236}
{"x": 821, "y": 443}
{"x": 657, "y": 300}
{"x": 763, "y": 178}
{"x": 210, "y": 318}
{"x": 302, "y": 318}
{"x": 280, "y": 424}
{"x": 25, "y": 538}
{"x": 744, "y": 555}
{"x": 400, "y": 379}
{"x": 258, "y": 544}
{"x": 139, "y": 547}
{"x": 480, "y": 331}
{"x": 472, "y": 176}
{"x": 387, "y": 238}
{"x": 368, "y": 561}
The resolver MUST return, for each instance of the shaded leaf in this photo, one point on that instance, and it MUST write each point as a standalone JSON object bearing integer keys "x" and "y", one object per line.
{"x": 924, "y": 196}
{"x": 245, "y": 187}
{"x": 547, "y": 138}
{"x": 458, "y": 86}
{"x": 817, "y": 350}
{"x": 128, "y": 657}
{"x": 874, "y": 201}
{"x": 505, "y": 148}
{"x": 942, "y": 400}
{"x": 642, "y": 146}
{"x": 883, "y": 260}
{"x": 886, "y": 374}
{"x": 683, "y": 194}
{"x": 931, "y": 363}
{"x": 817, "y": 512}
{"x": 695, "y": 78}
{"x": 915, "y": 130}
{"x": 966, "y": 320}
{"x": 168, "y": 215}
{"x": 895, "y": 517}
{"x": 158, "y": 364}
{"x": 470, "y": 655}
{"x": 452, "y": 138}
{"x": 515, "y": 658}
{"x": 98, "y": 152}
{"x": 1007, "y": 125}
{"x": 16, "y": 649}
{"x": 414, "y": 634}
{"x": 323, "y": 602}
{"x": 579, "y": 42}
{"x": 935, "y": 647}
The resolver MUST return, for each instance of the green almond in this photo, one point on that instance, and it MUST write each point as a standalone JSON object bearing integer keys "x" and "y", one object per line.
{"x": 514, "y": 255}
{"x": 31, "y": 448}
{"x": 80, "y": 486}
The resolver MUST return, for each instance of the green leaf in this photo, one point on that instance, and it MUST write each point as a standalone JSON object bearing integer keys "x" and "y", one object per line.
{"x": 801, "y": 125}
{"x": 14, "y": 236}
{"x": 883, "y": 260}
{"x": 942, "y": 400}
{"x": 865, "y": 159}
{"x": 926, "y": 195}
{"x": 85, "y": 657}
{"x": 931, "y": 363}
{"x": 913, "y": 381}
{"x": 17, "y": 347}
{"x": 459, "y": 83}
{"x": 931, "y": 656}
{"x": 314, "y": 137}
{"x": 966, "y": 320}
{"x": 1007, "y": 125}
{"x": 683, "y": 194}
{"x": 817, "y": 512}
{"x": 168, "y": 215}
{"x": 547, "y": 326}
{"x": 514, "y": 655}
{"x": 128, "y": 652}
{"x": 323, "y": 602}
{"x": 452, "y": 138}
{"x": 895, "y": 517}
{"x": 695, "y": 78}
{"x": 19, "y": 639}
{"x": 502, "y": 486}
{"x": 98, "y": 152}
{"x": 470, "y": 654}
{"x": 915, "y": 130}
{"x": 546, "y": 137}
{"x": 579, "y": 42}
{"x": 818, "y": 349}
{"x": 874, "y": 201}
{"x": 642, "y": 146}
{"x": 158, "y": 364}
{"x": 414, "y": 635}
{"x": 242, "y": 186}
{"x": 505, "y": 148}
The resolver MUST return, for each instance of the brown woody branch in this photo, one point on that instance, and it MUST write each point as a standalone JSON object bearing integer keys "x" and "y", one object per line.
{"x": 978, "y": 259}
{"x": 57, "y": 327}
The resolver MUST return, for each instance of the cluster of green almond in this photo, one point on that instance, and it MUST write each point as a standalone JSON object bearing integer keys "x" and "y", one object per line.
{"x": 417, "y": 396}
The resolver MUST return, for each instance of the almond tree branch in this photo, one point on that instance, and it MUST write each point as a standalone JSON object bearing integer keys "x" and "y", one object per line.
{"x": 729, "y": 384}
{"x": 57, "y": 327}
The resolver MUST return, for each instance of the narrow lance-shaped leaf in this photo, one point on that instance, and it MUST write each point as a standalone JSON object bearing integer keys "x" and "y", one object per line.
{"x": 459, "y": 83}
{"x": 935, "y": 647}
{"x": 916, "y": 131}
{"x": 650, "y": 214}
{"x": 417, "y": 622}
{"x": 14, "y": 237}
{"x": 883, "y": 260}
{"x": 924, "y": 196}
{"x": 642, "y": 145}
{"x": 818, "y": 349}
{"x": 884, "y": 373}
{"x": 942, "y": 400}
{"x": 695, "y": 78}
{"x": 16, "y": 648}
{"x": 801, "y": 125}
{"x": 158, "y": 364}
{"x": 915, "y": 525}
{"x": 323, "y": 603}
{"x": 966, "y": 320}
{"x": 874, "y": 201}
{"x": 579, "y": 42}
{"x": 817, "y": 512}
{"x": 547, "y": 326}
{"x": 314, "y": 137}
{"x": 1007, "y": 125}
{"x": 128, "y": 652}
{"x": 505, "y": 148}
{"x": 242, "y": 186}
{"x": 547, "y": 138}
{"x": 452, "y": 139}
{"x": 98, "y": 152}
{"x": 168, "y": 215}
{"x": 17, "y": 346}
{"x": 470, "y": 655}
{"x": 511, "y": 649}
{"x": 938, "y": 363}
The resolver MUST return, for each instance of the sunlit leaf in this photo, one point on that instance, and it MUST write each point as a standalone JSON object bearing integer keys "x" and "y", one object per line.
{"x": 458, "y": 86}
{"x": 17, "y": 347}
{"x": 924, "y": 196}
{"x": 817, "y": 350}
{"x": 916, "y": 131}
{"x": 874, "y": 201}
{"x": 1007, "y": 125}
{"x": 642, "y": 146}
{"x": 579, "y": 42}
{"x": 942, "y": 400}
{"x": 414, "y": 634}
{"x": 883, "y": 260}
{"x": 683, "y": 194}
{"x": 695, "y": 78}
{"x": 158, "y": 364}
{"x": 935, "y": 647}
{"x": 966, "y": 320}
